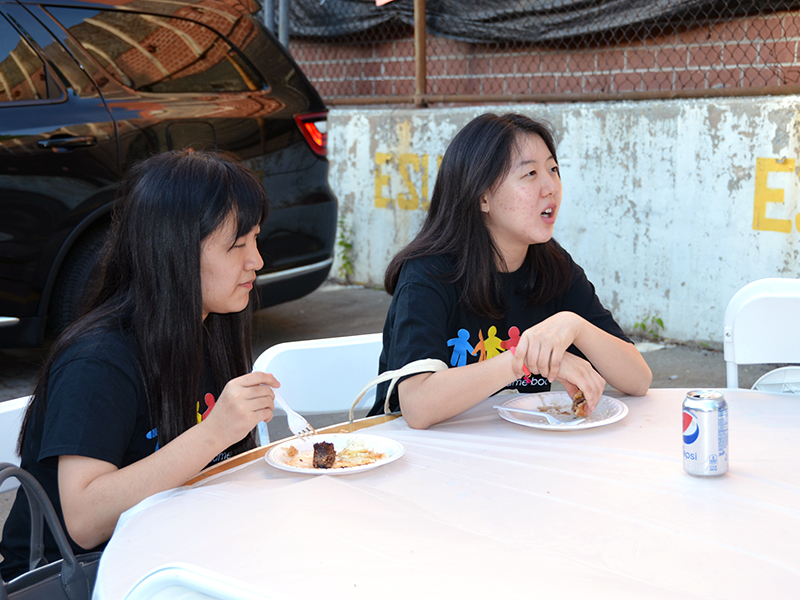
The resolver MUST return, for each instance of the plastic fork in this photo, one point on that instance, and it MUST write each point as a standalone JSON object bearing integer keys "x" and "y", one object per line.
{"x": 550, "y": 418}
{"x": 297, "y": 423}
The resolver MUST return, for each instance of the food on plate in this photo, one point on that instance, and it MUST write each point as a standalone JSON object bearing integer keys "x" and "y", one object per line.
{"x": 554, "y": 409}
{"x": 352, "y": 455}
{"x": 324, "y": 455}
{"x": 579, "y": 405}
{"x": 561, "y": 408}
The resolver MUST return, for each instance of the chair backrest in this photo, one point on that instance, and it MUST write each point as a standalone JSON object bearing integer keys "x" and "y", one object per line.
{"x": 11, "y": 414}
{"x": 784, "y": 380}
{"x": 324, "y": 375}
{"x": 762, "y": 325}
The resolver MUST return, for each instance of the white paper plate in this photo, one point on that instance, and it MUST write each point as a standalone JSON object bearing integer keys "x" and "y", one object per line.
{"x": 609, "y": 410}
{"x": 391, "y": 449}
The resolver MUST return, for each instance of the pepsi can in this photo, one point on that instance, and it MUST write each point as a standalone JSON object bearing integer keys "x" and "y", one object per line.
{"x": 705, "y": 433}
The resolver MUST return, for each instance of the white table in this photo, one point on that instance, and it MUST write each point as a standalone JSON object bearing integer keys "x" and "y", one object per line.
{"x": 482, "y": 508}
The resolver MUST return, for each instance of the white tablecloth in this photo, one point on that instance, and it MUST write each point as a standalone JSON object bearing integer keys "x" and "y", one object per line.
{"x": 480, "y": 507}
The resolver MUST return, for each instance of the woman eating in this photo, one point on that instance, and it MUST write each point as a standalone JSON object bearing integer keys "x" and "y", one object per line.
{"x": 486, "y": 289}
{"x": 153, "y": 382}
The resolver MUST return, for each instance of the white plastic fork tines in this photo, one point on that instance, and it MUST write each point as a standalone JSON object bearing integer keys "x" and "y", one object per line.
{"x": 297, "y": 423}
{"x": 550, "y": 418}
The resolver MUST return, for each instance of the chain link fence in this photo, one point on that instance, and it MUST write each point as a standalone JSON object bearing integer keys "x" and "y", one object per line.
{"x": 355, "y": 52}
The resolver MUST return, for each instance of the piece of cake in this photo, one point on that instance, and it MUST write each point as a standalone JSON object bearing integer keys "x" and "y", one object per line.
{"x": 324, "y": 455}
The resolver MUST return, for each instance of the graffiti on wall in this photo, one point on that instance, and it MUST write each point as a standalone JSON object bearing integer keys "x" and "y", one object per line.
{"x": 415, "y": 173}
{"x": 765, "y": 195}
{"x": 403, "y": 179}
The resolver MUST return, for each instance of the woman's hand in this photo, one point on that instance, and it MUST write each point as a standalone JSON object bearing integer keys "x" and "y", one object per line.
{"x": 578, "y": 374}
{"x": 542, "y": 348}
{"x": 94, "y": 493}
{"x": 244, "y": 402}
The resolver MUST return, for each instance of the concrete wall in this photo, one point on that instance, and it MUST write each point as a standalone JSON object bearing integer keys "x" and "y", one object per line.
{"x": 670, "y": 206}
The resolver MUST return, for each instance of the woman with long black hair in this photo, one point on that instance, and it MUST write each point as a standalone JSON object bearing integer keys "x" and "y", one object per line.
{"x": 484, "y": 286}
{"x": 153, "y": 383}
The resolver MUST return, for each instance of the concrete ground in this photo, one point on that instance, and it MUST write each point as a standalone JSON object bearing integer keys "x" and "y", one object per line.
{"x": 335, "y": 310}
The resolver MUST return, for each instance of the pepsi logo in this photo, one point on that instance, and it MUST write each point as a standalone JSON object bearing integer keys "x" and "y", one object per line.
{"x": 690, "y": 428}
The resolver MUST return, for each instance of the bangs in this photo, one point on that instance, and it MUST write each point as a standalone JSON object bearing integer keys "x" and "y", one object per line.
{"x": 232, "y": 189}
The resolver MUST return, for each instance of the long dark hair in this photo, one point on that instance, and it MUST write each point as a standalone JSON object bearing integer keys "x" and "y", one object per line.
{"x": 479, "y": 158}
{"x": 148, "y": 282}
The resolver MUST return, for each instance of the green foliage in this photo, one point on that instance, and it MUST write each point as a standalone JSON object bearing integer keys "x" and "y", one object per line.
{"x": 345, "y": 251}
{"x": 651, "y": 326}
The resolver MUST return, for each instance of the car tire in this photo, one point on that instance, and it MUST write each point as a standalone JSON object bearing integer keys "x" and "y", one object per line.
{"x": 73, "y": 279}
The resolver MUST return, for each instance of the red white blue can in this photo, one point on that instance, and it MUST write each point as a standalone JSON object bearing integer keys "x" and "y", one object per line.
{"x": 705, "y": 433}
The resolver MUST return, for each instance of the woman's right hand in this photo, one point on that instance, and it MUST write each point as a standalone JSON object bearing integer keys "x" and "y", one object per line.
{"x": 94, "y": 493}
{"x": 542, "y": 347}
{"x": 244, "y": 402}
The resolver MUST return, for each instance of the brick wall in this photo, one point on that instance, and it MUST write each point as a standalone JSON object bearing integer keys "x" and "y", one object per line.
{"x": 751, "y": 52}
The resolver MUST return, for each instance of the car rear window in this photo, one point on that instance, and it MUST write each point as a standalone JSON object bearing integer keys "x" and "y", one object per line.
{"x": 152, "y": 53}
{"x": 23, "y": 75}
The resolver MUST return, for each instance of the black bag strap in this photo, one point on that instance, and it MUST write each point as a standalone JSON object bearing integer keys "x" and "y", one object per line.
{"x": 73, "y": 578}
{"x": 37, "y": 558}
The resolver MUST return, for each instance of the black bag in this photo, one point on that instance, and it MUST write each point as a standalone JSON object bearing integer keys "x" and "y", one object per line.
{"x": 71, "y": 578}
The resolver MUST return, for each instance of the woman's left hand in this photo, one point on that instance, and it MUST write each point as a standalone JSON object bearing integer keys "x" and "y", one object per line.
{"x": 541, "y": 348}
{"x": 578, "y": 374}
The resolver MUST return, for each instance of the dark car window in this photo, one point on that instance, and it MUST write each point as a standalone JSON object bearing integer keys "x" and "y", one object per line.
{"x": 61, "y": 160}
{"x": 23, "y": 75}
{"x": 151, "y": 53}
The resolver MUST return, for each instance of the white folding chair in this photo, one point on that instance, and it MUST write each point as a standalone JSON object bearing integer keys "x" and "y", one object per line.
{"x": 762, "y": 326}
{"x": 784, "y": 380}
{"x": 11, "y": 414}
{"x": 189, "y": 582}
{"x": 324, "y": 375}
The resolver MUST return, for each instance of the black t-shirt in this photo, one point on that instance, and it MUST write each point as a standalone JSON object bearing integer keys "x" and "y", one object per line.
{"x": 96, "y": 407}
{"x": 427, "y": 320}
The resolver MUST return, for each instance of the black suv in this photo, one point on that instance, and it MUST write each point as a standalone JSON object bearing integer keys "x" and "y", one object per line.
{"x": 87, "y": 88}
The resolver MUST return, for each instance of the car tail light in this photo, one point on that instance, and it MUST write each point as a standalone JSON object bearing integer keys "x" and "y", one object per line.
{"x": 314, "y": 127}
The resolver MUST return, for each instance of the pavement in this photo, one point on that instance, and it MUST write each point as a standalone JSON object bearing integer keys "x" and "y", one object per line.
{"x": 336, "y": 310}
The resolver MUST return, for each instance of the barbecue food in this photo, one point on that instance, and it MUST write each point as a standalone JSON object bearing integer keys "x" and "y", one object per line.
{"x": 579, "y": 405}
{"x": 324, "y": 455}
{"x": 353, "y": 454}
